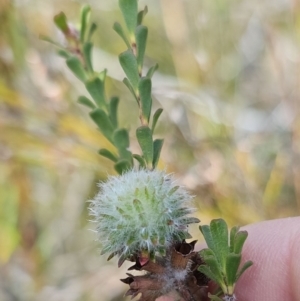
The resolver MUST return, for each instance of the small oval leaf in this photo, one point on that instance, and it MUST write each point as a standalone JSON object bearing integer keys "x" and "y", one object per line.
{"x": 49, "y": 40}
{"x": 208, "y": 273}
{"x": 130, "y": 88}
{"x": 239, "y": 241}
{"x": 219, "y": 233}
{"x": 246, "y": 265}
{"x": 119, "y": 30}
{"x": 86, "y": 102}
{"x": 145, "y": 87}
{"x": 122, "y": 166}
{"x": 113, "y": 109}
{"x": 63, "y": 53}
{"x": 129, "y": 9}
{"x": 214, "y": 297}
{"x": 155, "y": 118}
{"x": 103, "y": 123}
{"x": 87, "y": 53}
{"x": 85, "y": 14}
{"x": 144, "y": 137}
{"x": 130, "y": 67}
{"x": 61, "y": 22}
{"x": 141, "y": 34}
{"x": 95, "y": 87}
{"x": 76, "y": 67}
{"x": 232, "y": 264}
{"x": 233, "y": 232}
{"x": 108, "y": 154}
{"x": 91, "y": 31}
{"x": 157, "y": 146}
{"x": 121, "y": 138}
{"x": 140, "y": 159}
{"x": 141, "y": 15}
{"x": 152, "y": 70}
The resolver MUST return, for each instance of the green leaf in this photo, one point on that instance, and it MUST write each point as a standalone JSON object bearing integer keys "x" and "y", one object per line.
{"x": 121, "y": 141}
{"x": 63, "y": 53}
{"x": 140, "y": 159}
{"x": 205, "y": 230}
{"x": 152, "y": 70}
{"x": 219, "y": 233}
{"x": 129, "y": 9}
{"x": 157, "y": 146}
{"x": 213, "y": 264}
{"x": 85, "y": 14}
{"x": 87, "y": 53}
{"x": 232, "y": 264}
{"x": 113, "y": 109}
{"x": 95, "y": 87}
{"x": 130, "y": 88}
{"x": 239, "y": 241}
{"x": 141, "y": 15}
{"x": 126, "y": 155}
{"x": 121, "y": 138}
{"x": 155, "y": 118}
{"x": 246, "y": 265}
{"x": 61, "y": 22}
{"x": 204, "y": 253}
{"x": 91, "y": 31}
{"x": 214, "y": 297}
{"x": 130, "y": 67}
{"x": 76, "y": 67}
{"x": 119, "y": 30}
{"x": 49, "y": 40}
{"x": 145, "y": 86}
{"x": 141, "y": 34}
{"x": 144, "y": 137}
{"x": 103, "y": 123}
{"x": 122, "y": 166}
{"x": 233, "y": 232}
{"x": 207, "y": 272}
{"x": 107, "y": 154}
{"x": 86, "y": 102}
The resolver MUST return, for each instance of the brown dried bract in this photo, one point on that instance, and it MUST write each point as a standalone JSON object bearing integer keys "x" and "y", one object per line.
{"x": 177, "y": 271}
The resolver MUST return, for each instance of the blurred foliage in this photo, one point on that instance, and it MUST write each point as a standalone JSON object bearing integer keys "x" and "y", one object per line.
{"x": 229, "y": 85}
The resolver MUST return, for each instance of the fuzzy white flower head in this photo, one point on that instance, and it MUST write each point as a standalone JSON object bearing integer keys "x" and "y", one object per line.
{"x": 140, "y": 211}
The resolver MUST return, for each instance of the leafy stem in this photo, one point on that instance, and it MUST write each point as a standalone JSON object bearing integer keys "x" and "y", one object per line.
{"x": 78, "y": 55}
{"x": 222, "y": 257}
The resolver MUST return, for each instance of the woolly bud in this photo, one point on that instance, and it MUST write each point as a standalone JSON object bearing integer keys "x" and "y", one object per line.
{"x": 140, "y": 212}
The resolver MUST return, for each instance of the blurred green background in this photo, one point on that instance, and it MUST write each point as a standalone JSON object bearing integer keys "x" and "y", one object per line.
{"x": 229, "y": 83}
